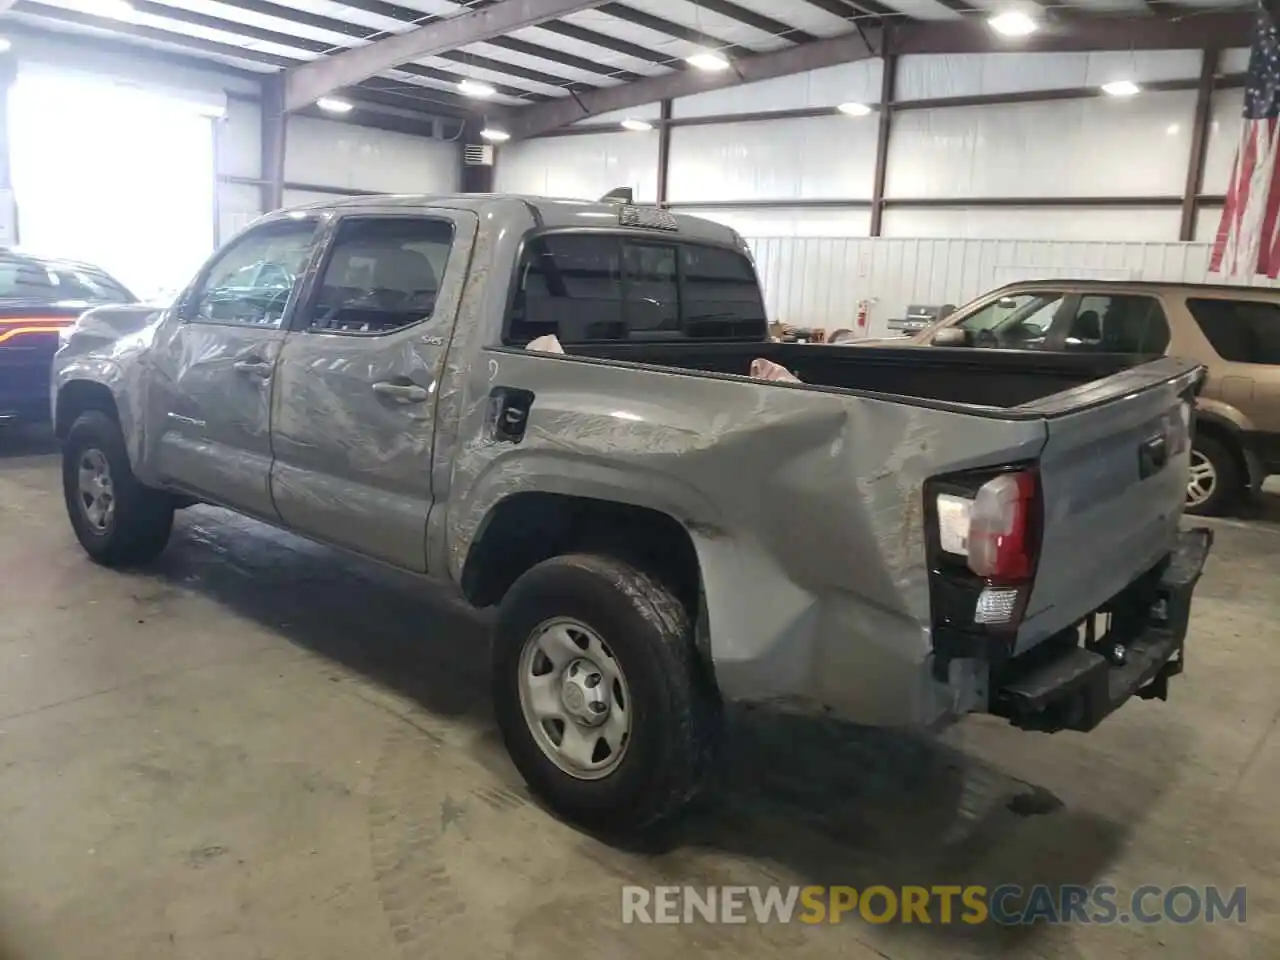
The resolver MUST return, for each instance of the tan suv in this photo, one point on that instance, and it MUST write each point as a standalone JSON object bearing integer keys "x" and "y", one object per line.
{"x": 1234, "y": 331}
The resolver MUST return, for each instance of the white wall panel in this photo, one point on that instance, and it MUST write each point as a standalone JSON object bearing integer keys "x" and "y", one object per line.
{"x": 1225, "y": 122}
{"x": 1034, "y": 223}
{"x": 924, "y": 77}
{"x": 858, "y": 82}
{"x": 788, "y": 222}
{"x": 818, "y": 282}
{"x": 239, "y": 205}
{"x": 812, "y": 158}
{"x": 1096, "y": 147}
{"x": 332, "y": 154}
{"x": 1235, "y": 60}
{"x": 582, "y": 167}
{"x": 239, "y": 140}
{"x": 296, "y": 198}
{"x": 648, "y": 111}
{"x": 1207, "y": 220}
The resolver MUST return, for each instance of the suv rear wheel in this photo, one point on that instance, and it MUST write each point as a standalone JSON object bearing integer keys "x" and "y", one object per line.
{"x": 1215, "y": 482}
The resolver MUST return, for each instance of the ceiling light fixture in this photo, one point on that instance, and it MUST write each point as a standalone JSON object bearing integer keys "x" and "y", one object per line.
{"x": 636, "y": 124}
{"x": 117, "y": 9}
{"x": 1121, "y": 88}
{"x": 854, "y": 109}
{"x": 5, "y": 44}
{"x": 708, "y": 60}
{"x": 334, "y": 105}
{"x": 495, "y": 135}
{"x": 1013, "y": 23}
{"x": 476, "y": 88}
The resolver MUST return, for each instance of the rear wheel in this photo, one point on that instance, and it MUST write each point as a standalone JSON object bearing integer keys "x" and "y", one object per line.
{"x": 117, "y": 520}
{"x": 598, "y": 693}
{"x": 1215, "y": 482}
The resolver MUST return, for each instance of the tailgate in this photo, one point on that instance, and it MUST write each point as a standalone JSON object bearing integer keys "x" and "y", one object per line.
{"x": 1114, "y": 475}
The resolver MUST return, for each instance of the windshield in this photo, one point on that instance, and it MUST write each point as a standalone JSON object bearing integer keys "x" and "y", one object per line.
{"x": 1020, "y": 320}
{"x": 26, "y": 279}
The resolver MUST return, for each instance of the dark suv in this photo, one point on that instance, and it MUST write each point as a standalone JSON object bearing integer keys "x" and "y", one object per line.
{"x": 38, "y": 298}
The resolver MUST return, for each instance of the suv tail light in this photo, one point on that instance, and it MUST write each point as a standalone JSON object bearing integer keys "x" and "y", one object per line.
{"x": 987, "y": 544}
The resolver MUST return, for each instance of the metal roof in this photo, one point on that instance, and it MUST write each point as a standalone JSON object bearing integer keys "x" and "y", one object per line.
{"x": 610, "y": 44}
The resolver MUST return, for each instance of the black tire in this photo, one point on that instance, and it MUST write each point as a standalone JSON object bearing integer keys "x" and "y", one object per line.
{"x": 142, "y": 518}
{"x": 1229, "y": 479}
{"x": 676, "y": 721}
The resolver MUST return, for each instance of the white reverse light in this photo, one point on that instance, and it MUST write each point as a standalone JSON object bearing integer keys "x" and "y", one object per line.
{"x": 639, "y": 126}
{"x": 476, "y": 88}
{"x": 953, "y": 524}
{"x": 1013, "y": 23}
{"x": 854, "y": 109}
{"x": 495, "y": 135}
{"x": 1121, "y": 88}
{"x": 333, "y": 105}
{"x": 708, "y": 60}
{"x": 5, "y": 44}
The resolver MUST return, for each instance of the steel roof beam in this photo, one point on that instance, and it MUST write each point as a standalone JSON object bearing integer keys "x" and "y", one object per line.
{"x": 1218, "y": 29}
{"x": 306, "y": 83}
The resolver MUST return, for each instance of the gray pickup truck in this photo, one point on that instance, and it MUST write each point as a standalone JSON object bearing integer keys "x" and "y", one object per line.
{"x": 902, "y": 536}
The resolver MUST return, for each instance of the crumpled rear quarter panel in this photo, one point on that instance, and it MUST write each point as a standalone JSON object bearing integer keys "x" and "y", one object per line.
{"x": 804, "y": 506}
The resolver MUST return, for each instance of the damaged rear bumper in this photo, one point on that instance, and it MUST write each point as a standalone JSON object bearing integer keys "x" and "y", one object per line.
{"x": 1064, "y": 685}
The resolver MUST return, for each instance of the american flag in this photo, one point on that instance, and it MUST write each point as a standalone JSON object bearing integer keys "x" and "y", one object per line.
{"x": 1248, "y": 240}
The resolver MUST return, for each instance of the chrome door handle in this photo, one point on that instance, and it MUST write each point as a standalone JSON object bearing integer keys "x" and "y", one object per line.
{"x": 402, "y": 392}
{"x": 254, "y": 368}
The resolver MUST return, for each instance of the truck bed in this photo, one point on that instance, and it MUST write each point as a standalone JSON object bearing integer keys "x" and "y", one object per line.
{"x": 990, "y": 378}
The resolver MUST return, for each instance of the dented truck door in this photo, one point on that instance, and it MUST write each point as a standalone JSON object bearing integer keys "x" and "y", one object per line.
{"x": 354, "y": 419}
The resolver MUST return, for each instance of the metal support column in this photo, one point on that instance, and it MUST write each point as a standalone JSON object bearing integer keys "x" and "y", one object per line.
{"x": 274, "y": 123}
{"x": 1199, "y": 143}
{"x": 664, "y": 149}
{"x": 476, "y": 177}
{"x": 888, "y": 84}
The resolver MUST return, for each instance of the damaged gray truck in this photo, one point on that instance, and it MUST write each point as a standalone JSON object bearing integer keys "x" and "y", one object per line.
{"x": 902, "y": 538}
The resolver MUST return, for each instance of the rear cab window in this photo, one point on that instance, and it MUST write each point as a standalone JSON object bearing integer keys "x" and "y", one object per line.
{"x": 592, "y": 287}
{"x": 1240, "y": 331}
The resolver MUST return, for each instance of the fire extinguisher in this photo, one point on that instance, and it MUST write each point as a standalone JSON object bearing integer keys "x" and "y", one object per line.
{"x": 862, "y": 318}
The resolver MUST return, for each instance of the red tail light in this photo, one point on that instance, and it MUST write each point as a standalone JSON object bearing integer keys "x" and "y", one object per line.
{"x": 1002, "y": 547}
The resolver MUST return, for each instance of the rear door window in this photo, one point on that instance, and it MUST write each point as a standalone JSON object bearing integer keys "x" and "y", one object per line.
{"x": 1118, "y": 323}
{"x": 594, "y": 287}
{"x": 1240, "y": 331}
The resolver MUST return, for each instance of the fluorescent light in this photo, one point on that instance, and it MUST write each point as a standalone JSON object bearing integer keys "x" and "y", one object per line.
{"x": 854, "y": 109}
{"x": 1013, "y": 23}
{"x": 1121, "y": 88}
{"x": 333, "y": 105}
{"x": 639, "y": 126}
{"x": 708, "y": 60}
{"x": 476, "y": 88}
{"x": 118, "y": 9}
{"x": 494, "y": 135}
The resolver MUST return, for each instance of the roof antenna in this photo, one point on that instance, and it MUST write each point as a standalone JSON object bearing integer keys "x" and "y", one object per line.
{"x": 619, "y": 195}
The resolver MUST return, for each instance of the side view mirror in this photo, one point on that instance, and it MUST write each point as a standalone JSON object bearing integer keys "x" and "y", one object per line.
{"x": 951, "y": 337}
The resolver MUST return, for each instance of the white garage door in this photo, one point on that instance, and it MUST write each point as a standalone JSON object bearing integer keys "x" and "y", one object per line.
{"x": 114, "y": 175}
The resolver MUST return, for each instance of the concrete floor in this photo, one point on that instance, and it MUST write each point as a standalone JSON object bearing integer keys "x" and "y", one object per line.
{"x": 262, "y": 748}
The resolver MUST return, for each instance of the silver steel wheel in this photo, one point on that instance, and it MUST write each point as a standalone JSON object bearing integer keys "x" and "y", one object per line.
{"x": 97, "y": 492}
{"x": 1202, "y": 479}
{"x": 574, "y": 698}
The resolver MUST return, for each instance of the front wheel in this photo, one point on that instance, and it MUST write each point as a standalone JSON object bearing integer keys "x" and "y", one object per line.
{"x": 1215, "y": 482}
{"x": 599, "y": 695}
{"x": 117, "y": 520}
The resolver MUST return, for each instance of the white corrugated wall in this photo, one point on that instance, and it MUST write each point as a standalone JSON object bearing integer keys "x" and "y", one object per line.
{"x": 818, "y": 281}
